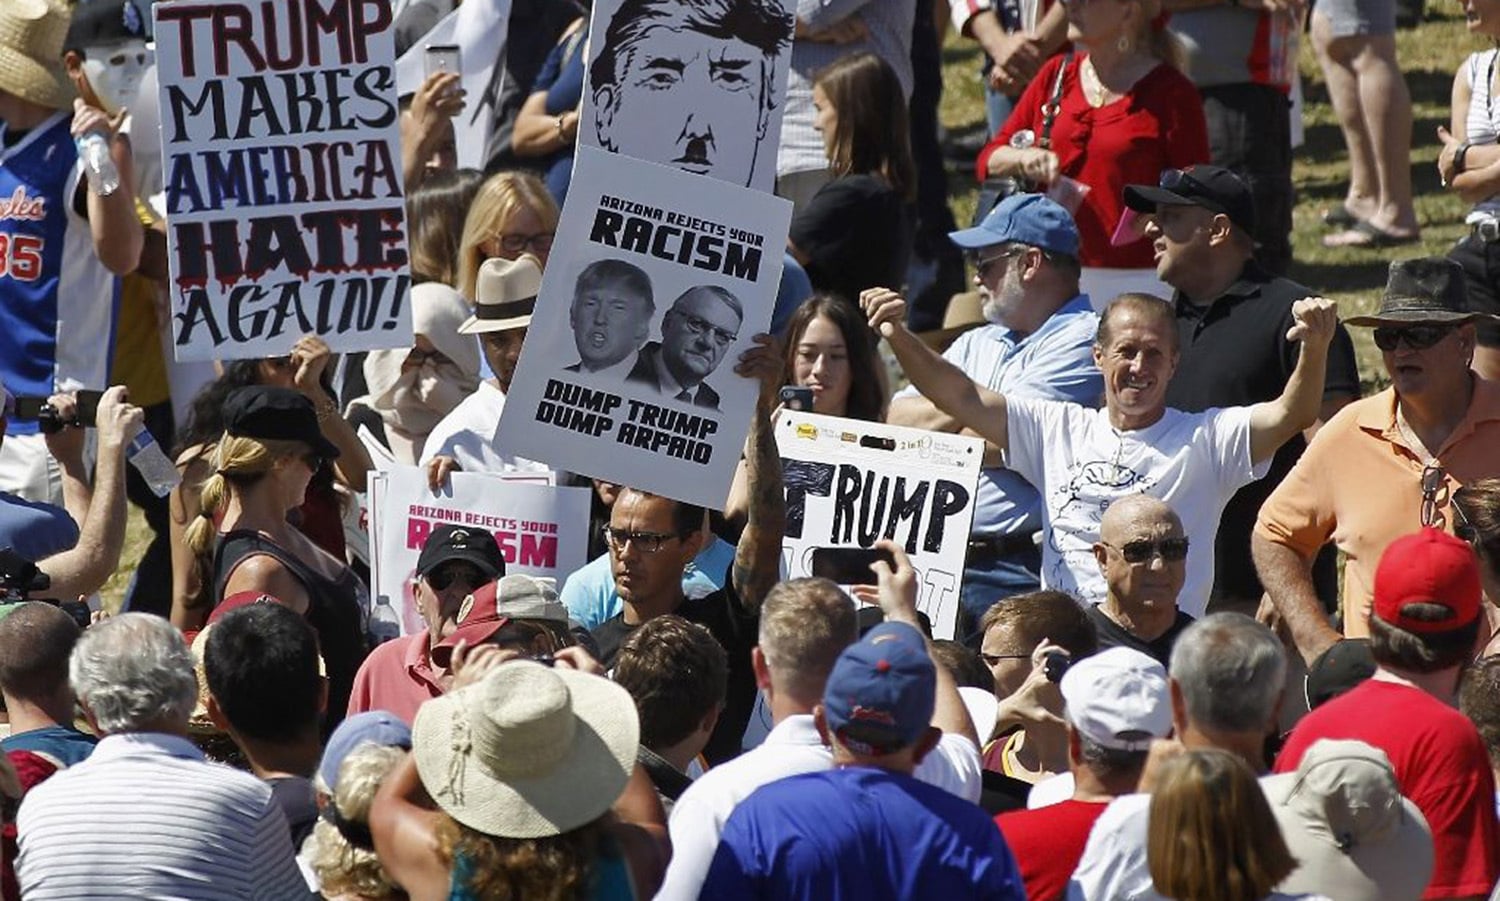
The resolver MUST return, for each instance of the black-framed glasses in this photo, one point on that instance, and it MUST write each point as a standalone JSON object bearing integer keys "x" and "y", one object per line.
{"x": 314, "y": 461}
{"x": 645, "y": 542}
{"x": 1172, "y": 550}
{"x": 1417, "y": 337}
{"x": 982, "y": 267}
{"x": 443, "y": 576}
{"x": 541, "y": 242}
{"x": 1463, "y": 530}
{"x": 698, "y": 326}
{"x": 1433, "y": 480}
{"x": 994, "y": 659}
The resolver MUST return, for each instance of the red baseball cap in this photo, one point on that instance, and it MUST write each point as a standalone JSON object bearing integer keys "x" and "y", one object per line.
{"x": 1427, "y": 567}
{"x": 495, "y": 604}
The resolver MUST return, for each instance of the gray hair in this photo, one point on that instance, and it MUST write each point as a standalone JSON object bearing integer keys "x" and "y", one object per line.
{"x": 1231, "y": 670}
{"x": 135, "y": 674}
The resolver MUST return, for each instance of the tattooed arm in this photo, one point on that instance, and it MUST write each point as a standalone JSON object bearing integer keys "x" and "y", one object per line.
{"x": 757, "y": 558}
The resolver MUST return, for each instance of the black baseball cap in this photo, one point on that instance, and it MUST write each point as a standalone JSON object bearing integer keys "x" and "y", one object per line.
{"x": 1338, "y": 669}
{"x": 105, "y": 22}
{"x": 1210, "y": 187}
{"x": 276, "y": 414}
{"x": 449, "y": 542}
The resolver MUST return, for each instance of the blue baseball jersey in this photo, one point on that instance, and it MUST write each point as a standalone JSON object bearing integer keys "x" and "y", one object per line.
{"x": 57, "y": 301}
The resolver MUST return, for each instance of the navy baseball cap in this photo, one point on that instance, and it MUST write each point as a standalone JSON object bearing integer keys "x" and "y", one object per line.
{"x": 1210, "y": 187}
{"x": 881, "y": 693}
{"x": 373, "y": 726}
{"x": 1032, "y": 219}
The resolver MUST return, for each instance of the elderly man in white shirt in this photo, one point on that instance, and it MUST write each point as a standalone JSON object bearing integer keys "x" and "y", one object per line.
{"x": 146, "y": 816}
{"x": 804, "y": 625}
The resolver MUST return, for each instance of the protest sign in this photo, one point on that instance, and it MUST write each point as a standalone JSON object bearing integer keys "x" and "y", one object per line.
{"x": 850, "y": 483}
{"x": 542, "y": 529}
{"x": 698, "y": 86}
{"x": 478, "y": 29}
{"x": 282, "y": 164}
{"x": 647, "y": 250}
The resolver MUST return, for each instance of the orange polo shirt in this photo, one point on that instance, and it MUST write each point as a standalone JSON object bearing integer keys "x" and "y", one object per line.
{"x": 1360, "y": 485}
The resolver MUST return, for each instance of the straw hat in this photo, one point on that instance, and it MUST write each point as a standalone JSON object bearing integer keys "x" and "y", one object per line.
{"x": 504, "y": 295}
{"x": 528, "y": 752}
{"x": 32, "y": 34}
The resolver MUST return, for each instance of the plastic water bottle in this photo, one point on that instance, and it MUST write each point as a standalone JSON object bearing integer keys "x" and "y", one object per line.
{"x": 153, "y": 465}
{"x": 384, "y": 623}
{"x": 98, "y": 165}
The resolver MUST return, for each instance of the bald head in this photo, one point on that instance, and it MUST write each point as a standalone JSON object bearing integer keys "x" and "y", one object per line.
{"x": 1126, "y": 514}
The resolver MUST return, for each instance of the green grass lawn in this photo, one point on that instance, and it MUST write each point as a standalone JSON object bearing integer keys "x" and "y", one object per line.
{"x": 1429, "y": 56}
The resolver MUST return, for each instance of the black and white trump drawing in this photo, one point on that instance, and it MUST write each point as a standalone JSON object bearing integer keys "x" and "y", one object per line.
{"x": 696, "y": 84}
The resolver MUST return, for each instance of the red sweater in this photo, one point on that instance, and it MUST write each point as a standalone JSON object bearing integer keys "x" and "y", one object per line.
{"x": 1157, "y": 125}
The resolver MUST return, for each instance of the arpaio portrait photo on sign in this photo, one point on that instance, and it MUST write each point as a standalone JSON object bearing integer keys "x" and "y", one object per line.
{"x": 611, "y": 317}
{"x": 695, "y": 334}
{"x": 691, "y": 83}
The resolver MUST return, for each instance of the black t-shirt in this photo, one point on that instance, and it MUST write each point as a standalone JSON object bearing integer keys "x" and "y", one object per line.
{"x": 1234, "y": 353}
{"x": 856, "y": 234}
{"x": 1113, "y": 635}
{"x": 294, "y": 795}
{"x": 737, "y": 630}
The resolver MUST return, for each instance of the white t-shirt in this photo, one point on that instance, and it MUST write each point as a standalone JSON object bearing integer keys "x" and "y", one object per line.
{"x": 1195, "y": 462}
{"x": 468, "y": 435}
{"x": 792, "y": 748}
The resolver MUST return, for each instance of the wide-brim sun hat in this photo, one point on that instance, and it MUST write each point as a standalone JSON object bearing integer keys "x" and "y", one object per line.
{"x": 32, "y": 34}
{"x": 528, "y": 752}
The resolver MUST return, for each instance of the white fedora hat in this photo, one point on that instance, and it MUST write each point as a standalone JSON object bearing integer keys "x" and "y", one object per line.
{"x": 528, "y": 752}
{"x": 32, "y": 34}
{"x": 504, "y": 295}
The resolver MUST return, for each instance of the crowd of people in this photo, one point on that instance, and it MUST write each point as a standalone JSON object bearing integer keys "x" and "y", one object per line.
{"x": 1228, "y": 629}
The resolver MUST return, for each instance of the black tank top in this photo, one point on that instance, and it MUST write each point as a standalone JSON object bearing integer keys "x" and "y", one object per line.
{"x": 334, "y": 610}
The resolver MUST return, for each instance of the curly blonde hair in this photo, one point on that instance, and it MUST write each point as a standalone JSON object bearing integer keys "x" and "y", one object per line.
{"x": 556, "y": 868}
{"x": 342, "y": 868}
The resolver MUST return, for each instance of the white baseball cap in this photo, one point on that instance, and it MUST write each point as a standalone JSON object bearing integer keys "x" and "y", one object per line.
{"x": 1117, "y": 699}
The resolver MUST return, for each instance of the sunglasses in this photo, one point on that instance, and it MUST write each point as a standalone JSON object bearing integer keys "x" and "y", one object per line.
{"x": 1463, "y": 530}
{"x": 1432, "y": 483}
{"x": 982, "y": 267}
{"x": 994, "y": 659}
{"x": 314, "y": 461}
{"x": 444, "y": 576}
{"x": 1171, "y": 550}
{"x": 1417, "y": 337}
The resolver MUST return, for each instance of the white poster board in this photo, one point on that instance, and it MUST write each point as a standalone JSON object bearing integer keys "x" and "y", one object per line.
{"x": 478, "y": 28}
{"x": 656, "y": 284}
{"x": 849, "y": 483}
{"x": 700, "y": 86}
{"x": 281, "y": 158}
{"x": 542, "y": 529}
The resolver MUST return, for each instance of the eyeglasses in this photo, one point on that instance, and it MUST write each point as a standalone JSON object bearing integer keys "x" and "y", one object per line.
{"x": 1463, "y": 530}
{"x": 1417, "y": 337}
{"x": 418, "y": 358}
{"x": 700, "y": 327}
{"x": 1433, "y": 481}
{"x": 541, "y": 242}
{"x": 994, "y": 659}
{"x": 1172, "y": 550}
{"x": 982, "y": 267}
{"x": 443, "y": 576}
{"x": 314, "y": 461}
{"x": 645, "y": 542}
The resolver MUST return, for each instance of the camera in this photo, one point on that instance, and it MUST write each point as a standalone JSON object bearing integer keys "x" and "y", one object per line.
{"x": 46, "y": 415}
{"x": 20, "y": 579}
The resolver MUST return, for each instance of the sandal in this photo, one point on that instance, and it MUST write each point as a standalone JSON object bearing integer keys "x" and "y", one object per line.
{"x": 1340, "y": 217}
{"x": 1365, "y": 234}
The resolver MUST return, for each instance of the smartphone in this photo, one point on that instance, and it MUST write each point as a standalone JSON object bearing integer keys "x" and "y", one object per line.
{"x": 442, "y": 58}
{"x": 848, "y": 565}
{"x": 794, "y": 397}
{"x": 1054, "y": 664}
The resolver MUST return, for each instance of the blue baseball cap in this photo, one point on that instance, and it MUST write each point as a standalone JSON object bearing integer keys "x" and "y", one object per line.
{"x": 374, "y": 726}
{"x": 880, "y": 695}
{"x": 1032, "y": 219}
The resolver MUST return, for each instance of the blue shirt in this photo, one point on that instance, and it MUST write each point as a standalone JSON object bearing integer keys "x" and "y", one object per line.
{"x": 589, "y": 593}
{"x": 860, "y": 833}
{"x": 35, "y": 530}
{"x": 66, "y": 746}
{"x": 1055, "y": 362}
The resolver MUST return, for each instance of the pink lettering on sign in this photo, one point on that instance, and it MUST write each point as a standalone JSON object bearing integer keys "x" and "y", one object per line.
{"x": 22, "y": 206}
